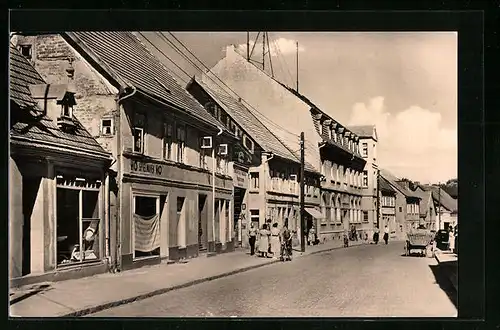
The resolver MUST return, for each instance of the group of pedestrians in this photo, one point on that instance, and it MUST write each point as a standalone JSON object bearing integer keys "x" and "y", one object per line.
{"x": 376, "y": 235}
{"x": 272, "y": 240}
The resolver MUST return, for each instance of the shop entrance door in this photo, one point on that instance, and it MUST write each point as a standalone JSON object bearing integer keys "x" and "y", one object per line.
{"x": 202, "y": 223}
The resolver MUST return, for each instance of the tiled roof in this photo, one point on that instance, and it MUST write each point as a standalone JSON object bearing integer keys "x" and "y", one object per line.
{"x": 424, "y": 201}
{"x": 393, "y": 180}
{"x": 306, "y": 100}
{"x": 126, "y": 57}
{"x": 385, "y": 186}
{"x": 22, "y": 74}
{"x": 447, "y": 201}
{"x": 37, "y": 127}
{"x": 362, "y": 131}
{"x": 251, "y": 124}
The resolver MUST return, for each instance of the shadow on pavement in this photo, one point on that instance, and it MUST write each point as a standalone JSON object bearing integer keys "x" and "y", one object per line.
{"x": 441, "y": 274}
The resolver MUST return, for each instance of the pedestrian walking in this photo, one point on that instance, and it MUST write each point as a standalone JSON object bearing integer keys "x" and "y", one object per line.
{"x": 376, "y": 235}
{"x": 252, "y": 237}
{"x": 386, "y": 234}
{"x": 286, "y": 243}
{"x": 268, "y": 223}
{"x": 264, "y": 241}
{"x": 274, "y": 240}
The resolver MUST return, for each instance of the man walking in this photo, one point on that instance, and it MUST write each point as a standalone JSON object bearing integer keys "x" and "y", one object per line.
{"x": 386, "y": 234}
{"x": 252, "y": 237}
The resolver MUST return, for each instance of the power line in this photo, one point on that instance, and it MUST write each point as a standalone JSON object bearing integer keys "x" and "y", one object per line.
{"x": 187, "y": 74}
{"x": 209, "y": 70}
{"x": 284, "y": 60}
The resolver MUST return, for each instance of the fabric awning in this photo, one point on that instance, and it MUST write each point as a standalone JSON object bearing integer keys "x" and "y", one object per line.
{"x": 315, "y": 213}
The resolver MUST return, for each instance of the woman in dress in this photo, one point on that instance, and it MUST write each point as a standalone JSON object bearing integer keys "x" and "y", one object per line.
{"x": 264, "y": 241}
{"x": 275, "y": 241}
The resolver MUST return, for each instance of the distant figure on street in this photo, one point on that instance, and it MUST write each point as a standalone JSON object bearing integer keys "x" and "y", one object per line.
{"x": 286, "y": 242}
{"x": 451, "y": 239}
{"x": 386, "y": 234}
{"x": 264, "y": 241}
{"x": 376, "y": 235}
{"x": 346, "y": 239}
{"x": 252, "y": 237}
{"x": 275, "y": 240}
{"x": 268, "y": 223}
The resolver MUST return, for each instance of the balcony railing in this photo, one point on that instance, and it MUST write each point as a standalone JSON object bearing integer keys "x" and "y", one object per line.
{"x": 283, "y": 186}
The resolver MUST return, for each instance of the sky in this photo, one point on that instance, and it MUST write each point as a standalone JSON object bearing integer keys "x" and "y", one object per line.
{"x": 405, "y": 83}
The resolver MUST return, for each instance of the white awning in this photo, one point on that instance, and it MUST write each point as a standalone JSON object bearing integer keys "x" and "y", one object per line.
{"x": 314, "y": 212}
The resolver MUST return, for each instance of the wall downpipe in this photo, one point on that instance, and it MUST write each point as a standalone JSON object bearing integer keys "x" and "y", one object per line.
{"x": 119, "y": 179}
{"x": 214, "y": 163}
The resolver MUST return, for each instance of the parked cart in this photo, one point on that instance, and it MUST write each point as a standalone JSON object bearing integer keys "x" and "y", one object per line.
{"x": 418, "y": 240}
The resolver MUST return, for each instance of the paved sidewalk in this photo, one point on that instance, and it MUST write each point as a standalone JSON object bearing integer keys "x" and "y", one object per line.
{"x": 448, "y": 261}
{"x": 92, "y": 294}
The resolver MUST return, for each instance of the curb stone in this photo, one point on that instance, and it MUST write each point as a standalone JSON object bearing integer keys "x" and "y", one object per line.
{"x": 99, "y": 308}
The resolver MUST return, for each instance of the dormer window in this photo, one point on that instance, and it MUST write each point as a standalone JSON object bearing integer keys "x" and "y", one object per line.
{"x": 26, "y": 50}
{"x": 66, "y": 111}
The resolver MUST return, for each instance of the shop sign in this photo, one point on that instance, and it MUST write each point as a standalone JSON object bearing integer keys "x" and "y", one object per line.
{"x": 240, "y": 179}
{"x": 143, "y": 167}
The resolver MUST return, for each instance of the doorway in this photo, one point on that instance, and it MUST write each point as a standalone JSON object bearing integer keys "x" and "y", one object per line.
{"x": 202, "y": 223}
{"x": 239, "y": 212}
{"x": 29, "y": 193}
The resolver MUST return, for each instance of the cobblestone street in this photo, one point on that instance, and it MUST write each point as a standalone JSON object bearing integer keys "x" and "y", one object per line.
{"x": 364, "y": 281}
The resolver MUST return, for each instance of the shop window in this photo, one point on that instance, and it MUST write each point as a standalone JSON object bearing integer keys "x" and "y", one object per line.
{"x": 106, "y": 126}
{"x": 167, "y": 141}
{"x": 77, "y": 226}
{"x": 203, "y": 158}
{"x": 181, "y": 143}
{"x": 147, "y": 227}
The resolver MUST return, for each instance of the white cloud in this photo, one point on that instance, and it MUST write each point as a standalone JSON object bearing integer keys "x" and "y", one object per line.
{"x": 411, "y": 143}
{"x": 281, "y": 46}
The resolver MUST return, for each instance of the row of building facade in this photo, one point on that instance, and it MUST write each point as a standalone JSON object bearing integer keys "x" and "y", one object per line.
{"x": 114, "y": 165}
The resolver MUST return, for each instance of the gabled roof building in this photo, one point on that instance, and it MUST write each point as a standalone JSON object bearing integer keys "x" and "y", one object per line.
{"x": 331, "y": 148}
{"x": 56, "y": 168}
{"x": 161, "y": 139}
{"x": 273, "y": 192}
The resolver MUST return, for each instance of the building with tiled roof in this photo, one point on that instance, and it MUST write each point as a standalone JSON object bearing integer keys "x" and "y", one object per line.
{"x": 445, "y": 205}
{"x": 55, "y": 169}
{"x": 407, "y": 203}
{"x": 272, "y": 165}
{"x": 160, "y": 137}
{"x": 330, "y": 147}
{"x": 428, "y": 213}
{"x": 387, "y": 196}
{"x": 368, "y": 149}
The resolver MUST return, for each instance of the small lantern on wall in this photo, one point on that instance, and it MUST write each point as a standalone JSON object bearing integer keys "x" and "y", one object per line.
{"x": 70, "y": 70}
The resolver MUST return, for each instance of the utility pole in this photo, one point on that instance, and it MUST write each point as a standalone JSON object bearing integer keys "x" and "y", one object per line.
{"x": 302, "y": 186}
{"x": 439, "y": 202}
{"x": 263, "y": 50}
{"x": 297, "y": 44}
{"x": 248, "y": 46}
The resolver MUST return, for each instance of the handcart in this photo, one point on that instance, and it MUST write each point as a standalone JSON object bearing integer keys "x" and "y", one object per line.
{"x": 418, "y": 240}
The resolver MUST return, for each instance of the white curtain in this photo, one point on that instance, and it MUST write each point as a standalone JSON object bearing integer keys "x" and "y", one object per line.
{"x": 147, "y": 233}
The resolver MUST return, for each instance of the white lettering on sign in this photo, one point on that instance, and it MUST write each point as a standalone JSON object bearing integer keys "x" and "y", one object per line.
{"x": 154, "y": 169}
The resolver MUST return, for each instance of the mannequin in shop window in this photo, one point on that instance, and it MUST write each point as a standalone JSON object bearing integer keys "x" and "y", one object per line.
{"x": 90, "y": 243}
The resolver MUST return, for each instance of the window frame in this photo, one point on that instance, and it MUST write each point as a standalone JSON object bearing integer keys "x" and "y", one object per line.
{"x": 111, "y": 126}
{"x": 168, "y": 140}
{"x": 180, "y": 156}
{"x": 364, "y": 149}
